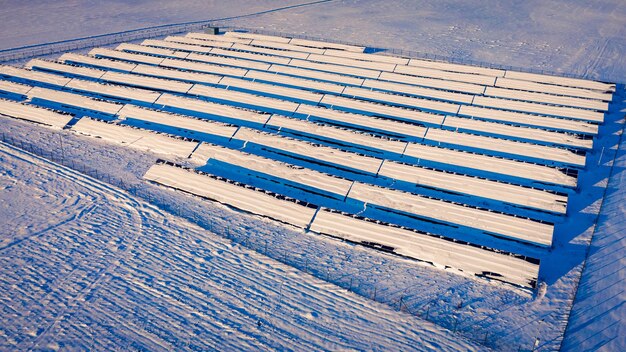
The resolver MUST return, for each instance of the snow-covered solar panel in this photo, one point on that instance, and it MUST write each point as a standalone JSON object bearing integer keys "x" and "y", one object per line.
{"x": 151, "y": 50}
{"x": 251, "y": 56}
{"x": 311, "y": 178}
{"x": 478, "y": 187}
{"x": 534, "y": 108}
{"x": 34, "y": 114}
{"x": 446, "y": 66}
{"x": 295, "y": 81}
{"x": 92, "y": 61}
{"x": 380, "y": 66}
{"x": 74, "y": 100}
{"x": 433, "y": 83}
{"x": 344, "y": 70}
{"x": 494, "y": 223}
{"x": 547, "y": 98}
{"x": 177, "y": 74}
{"x": 451, "y": 76}
{"x": 317, "y": 75}
{"x": 420, "y": 91}
{"x": 367, "y": 122}
{"x": 15, "y": 88}
{"x": 540, "y": 152}
{"x": 226, "y": 61}
{"x": 114, "y": 90}
{"x": 122, "y": 55}
{"x": 367, "y": 57}
{"x": 203, "y": 67}
{"x": 246, "y": 199}
{"x": 178, "y": 122}
{"x": 382, "y": 110}
{"x": 272, "y": 89}
{"x": 220, "y": 38}
{"x": 326, "y": 45}
{"x": 517, "y": 132}
{"x": 147, "y": 82}
{"x": 135, "y": 138}
{"x": 176, "y": 46}
{"x": 268, "y": 51}
{"x": 58, "y": 67}
{"x": 561, "y": 81}
{"x": 208, "y": 108}
{"x": 196, "y": 43}
{"x": 533, "y": 172}
{"x": 552, "y": 89}
{"x": 364, "y": 141}
{"x": 34, "y": 76}
{"x": 442, "y": 253}
{"x": 395, "y": 99}
{"x": 527, "y": 119}
{"x": 314, "y": 152}
{"x": 244, "y": 99}
{"x": 246, "y": 35}
{"x": 284, "y": 46}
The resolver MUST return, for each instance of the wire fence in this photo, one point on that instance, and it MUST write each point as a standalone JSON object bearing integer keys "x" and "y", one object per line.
{"x": 401, "y": 299}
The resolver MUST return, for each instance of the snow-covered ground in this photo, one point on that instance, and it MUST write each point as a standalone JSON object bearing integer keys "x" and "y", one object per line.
{"x": 81, "y": 296}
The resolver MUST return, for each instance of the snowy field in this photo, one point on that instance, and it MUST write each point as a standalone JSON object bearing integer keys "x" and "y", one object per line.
{"x": 154, "y": 259}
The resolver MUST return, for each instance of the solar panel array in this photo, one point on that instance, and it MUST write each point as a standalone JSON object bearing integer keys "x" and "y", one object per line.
{"x": 465, "y": 167}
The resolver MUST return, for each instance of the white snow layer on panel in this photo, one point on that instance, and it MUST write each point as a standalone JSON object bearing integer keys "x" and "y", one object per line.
{"x": 326, "y": 45}
{"x": 344, "y": 70}
{"x": 490, "y": 164}
{"x": 314, "y": 74}
{"x": 76, "y": 100}
{"x": 251, "y": 56}
{"x": 387, "y": 110}
{"x": 37, "y": 76}
{"x": 220, "y": 38}
{"x": 177, "y": 121}
{"x": 241, "y": 198}
{"x": 147, "y": 82}
{"x": 284, "y": 46}
{"x": 271, "y": 38}
{"x": 508, "y": 193}
{"x": 150, "y": 50}
{"x": 228, "y": 61}
{"x": 295, "y": 81}
{"x": 244, "y": 98}
{"x": 529, "y": 133}
{"x": 268, "y": 51}
{"x": 271, "y": 89}
{"x": 426, "y": 248}
{"x": 446, "y": 66}
{"x": 501, "y": 224}
{"x": 380, "y": 66}
{"x": 203, "y": 67}
{"x": 547, "y": 98}
{"x": 75, "y": 70}
{"x": 433, "y": 83}
{"x": 196, "y": 44}
{"x": 34, "y": 114}
{"x": 176, "y": 74}
{"x": 320, "y": 153}
{"x": 528, "y": 119}
{"x": 572, "y": 113}
{"x": 206, "y": 107}
{"x": 12, "y": 87}
{"x": 89, "y": 60}
{"x": 122, "y": 55}
{"x": 417, "y": 90}
{"x": 551, "y": 89}
{"x": 135, "y": 138}
{"x": 561, "y": 81}
{"x": 347, "y": 136}
{"x": 275, "y": 168}
{"x": 113, "y": 90}
{"x": 368, "y": 122}
{"x": 401, "y": 100}
{"x": 175, "y": 45}
{"x": 367, "y": 57}
{"x": 452, "y": 76}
